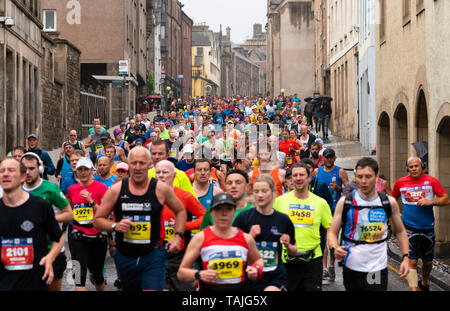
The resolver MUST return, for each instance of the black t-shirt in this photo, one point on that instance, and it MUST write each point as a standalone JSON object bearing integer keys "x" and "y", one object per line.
{"x": 268, "y": 242}
{"x": 23, "y": 232}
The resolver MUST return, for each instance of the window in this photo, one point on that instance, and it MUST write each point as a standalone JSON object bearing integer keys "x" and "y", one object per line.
{"x": 49, "y": 20}
{"x": 382, "y": 21}
{"x": 406, "y": 11}
{"x": 419, "y": 6}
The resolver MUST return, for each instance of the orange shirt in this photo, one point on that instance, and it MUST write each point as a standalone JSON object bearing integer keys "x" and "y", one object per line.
{"x": 276, "y": 178}
{"x": 192, "y": 206}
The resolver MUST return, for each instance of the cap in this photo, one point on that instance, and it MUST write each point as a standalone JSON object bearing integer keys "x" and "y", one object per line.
{"x": 117, "y": 132}
{"x": 168, "y": 123}
{"x": 189, "y": 148}
{"x": 139, "y": 140}
{"x": 104, "y": 135}
{"x": 122, "y": 166}
{"x": 254, "y": 107}
{"x": 319, "y": 141}
{"x": 32, "y": 136}
{"x": 222, "y": 198}
{"x": 329, "y": 153}
{"x": 84, "y": 162}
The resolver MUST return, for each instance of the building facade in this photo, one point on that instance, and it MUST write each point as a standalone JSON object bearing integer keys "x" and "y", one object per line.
{"x": 246, "y": 73}
{"x": 186, "y": 60}
{"x": 344, "y": 58}
{"x": 321, "y": 53}
{"x": 206, "y": 61}
{"x": 366, "y": 74}
{"x": 412, "y": 99}
{"x": 290, "y": 47}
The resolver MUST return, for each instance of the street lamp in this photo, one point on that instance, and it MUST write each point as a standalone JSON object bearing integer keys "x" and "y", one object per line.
{"x": 166, "y": 104}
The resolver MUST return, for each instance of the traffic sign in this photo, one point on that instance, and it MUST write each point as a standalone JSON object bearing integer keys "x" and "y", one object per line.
{"x": 123, "y": 67}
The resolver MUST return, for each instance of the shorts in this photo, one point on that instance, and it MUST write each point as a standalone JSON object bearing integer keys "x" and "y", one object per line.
{"x": 421, "y": 243}
{"x": 277, "y": 278}
{"x": 142, "y": 273}
{"x": 59, "y": 266}
{"x": 172, "y": 281}
{"x": 305, "y": 277}
{"x": 365, "y": 281}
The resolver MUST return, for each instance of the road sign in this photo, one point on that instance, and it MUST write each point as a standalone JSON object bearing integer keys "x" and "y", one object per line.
{"x": 117, "y": 84}
{"x": 161, "y": 81}
{"x": 180, "y": 77}
{"x": 123, "y": 67}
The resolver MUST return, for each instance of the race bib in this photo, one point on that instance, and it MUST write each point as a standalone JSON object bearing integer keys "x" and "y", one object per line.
{"x": 302, "y": 216}
{"x": 372, "y": 232}
{"x": 139, "y": 233}
{"x": 170, "y": 231}
{"x": 83, "y": 214}
{"x": 17, "y": 254}
{"x": 415, "y": 196}
{"x": 172, "y": 152}
{"x": 269, "y": 253}
{"x": 229, "y": 265}
{"x": 288, "y": 159}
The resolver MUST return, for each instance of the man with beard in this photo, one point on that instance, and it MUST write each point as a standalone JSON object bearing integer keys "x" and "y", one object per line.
{"x": 315, "y": 157}
{"x": 103, "y": 174}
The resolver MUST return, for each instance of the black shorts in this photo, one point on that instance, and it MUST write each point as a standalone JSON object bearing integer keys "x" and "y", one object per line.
{"x": 365, "y": 281}
{"x": 421, "y": 243}
{"x": 59, "y": 266}
{"x": 172, "y": 282}
{"x": 277, "y": 278}
{"x": 305, "y": 277}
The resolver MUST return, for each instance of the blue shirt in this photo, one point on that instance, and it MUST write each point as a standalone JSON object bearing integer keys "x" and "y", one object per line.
{"x": 108, "y": 182}
{"x": 326, "y": 178}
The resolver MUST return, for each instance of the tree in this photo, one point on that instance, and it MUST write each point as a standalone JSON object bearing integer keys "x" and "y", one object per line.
{"x": 150, "y": 84}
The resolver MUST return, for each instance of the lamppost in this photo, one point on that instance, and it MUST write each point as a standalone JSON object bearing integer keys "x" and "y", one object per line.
{"x": 166, "y": 100}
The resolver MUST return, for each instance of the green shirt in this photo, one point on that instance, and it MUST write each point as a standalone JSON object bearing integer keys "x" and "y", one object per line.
{"x": 307, "y": 216}
{"x": 165, "y": 134}
{"x": 91, "y": 130}
{"x": 208, "y": 220}
{"x": 53, "y": 195}
{"x": 181, "y": 180}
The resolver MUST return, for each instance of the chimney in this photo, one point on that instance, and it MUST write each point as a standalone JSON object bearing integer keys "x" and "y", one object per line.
{"x": 257, "y": 30}
{"x": 228, "y": 34}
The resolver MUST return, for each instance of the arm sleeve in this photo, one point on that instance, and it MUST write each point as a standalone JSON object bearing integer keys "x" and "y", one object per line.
{"x": 195, "y": 208}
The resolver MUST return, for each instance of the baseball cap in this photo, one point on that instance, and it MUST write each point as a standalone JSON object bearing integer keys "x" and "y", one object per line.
{"x": 189, "y": 148}
{"x": 329, "y": 153}
{"x": 32, "y": 136}
{"x": 85, "y": 162}
{"x": 122, "y": 166}
{"x": 168, "y": 123}
{"x": 104, "y": 135}
{"x": 319, "y": 141}
{"x": 117, "y": 132}
{"x": 222, "y": 198}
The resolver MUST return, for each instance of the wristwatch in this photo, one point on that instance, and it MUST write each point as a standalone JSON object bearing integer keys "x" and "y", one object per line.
{"x": 113, "y": 227}
{"x": 197, "y": 275}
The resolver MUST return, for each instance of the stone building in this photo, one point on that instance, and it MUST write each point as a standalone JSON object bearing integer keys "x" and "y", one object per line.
{"x": 290, "y": 47}
{"x": 106, "y": 31}
{"x": 246, "y": 73}
{"x": 206, "y": 61}
{"x": 321, "y": 51}
{"x": 412, "y": 95}
{"x": 226, "y": 66}
{"x": 343, "y": 50}
{"x": 186, "y": 59}
{"x": 60, "y": 92}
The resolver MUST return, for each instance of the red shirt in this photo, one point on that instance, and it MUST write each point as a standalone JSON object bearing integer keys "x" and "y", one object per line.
{"x": 83, "y": 211}
{"x": 285, "y": 147}
{"x": 192, "y": 206}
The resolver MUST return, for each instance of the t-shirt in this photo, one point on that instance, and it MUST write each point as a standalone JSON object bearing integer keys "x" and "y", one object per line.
{"x": 107, "y": 182}
{"x": 268, "y": 242}
{"x": 307, "y": 216}
{"x": 184, "y": 166}
{"x": 285, "y": 147}
{"x": 83, "y": 212}
{"x": 181, "y": 180}
{"x": 411, "y": 191}
{"x": 53, "y": 195}
{"x": 23, "y": 231}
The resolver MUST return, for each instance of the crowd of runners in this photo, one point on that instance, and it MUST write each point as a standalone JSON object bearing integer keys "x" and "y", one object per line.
{"x": 213, "y": 194}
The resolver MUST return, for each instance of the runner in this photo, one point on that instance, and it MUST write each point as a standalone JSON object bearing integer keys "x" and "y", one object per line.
{"x": 103, "y": 173}
{"x": 336, "y": 178}
{"x": 137, "y": 203}
{"x": 87, "y": 244}
{"x": 204, "y": 189}
{"x": 165, "y": 172}
{"x": 236, "y": 184}
{"x": 75, "y": 156}
{"x": 94, "y": 142}
{"x": 76, "y": 144}
{"x": 227, "y": 253}
{"x": 25, "y": 222}
{"x": 363, "y": 216}
{"x": 289, "y": 147}
{"x": 307, "y": 212}
{"x": 63, "y": 168}
{"x": 159, "y": 151}
{"x": 49, "y": 191}
{"x": 271, "y": 230}
{"x": 419, "y": 193}
{"x": 33, "y": 146}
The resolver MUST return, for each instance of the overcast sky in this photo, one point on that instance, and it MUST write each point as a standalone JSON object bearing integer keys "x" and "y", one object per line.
{"x": 239, "y": 15}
